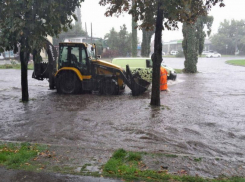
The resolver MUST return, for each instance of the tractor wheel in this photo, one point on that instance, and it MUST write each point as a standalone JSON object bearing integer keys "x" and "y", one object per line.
{"x": 68, "y": 83}
{"x": 109, "y": 87}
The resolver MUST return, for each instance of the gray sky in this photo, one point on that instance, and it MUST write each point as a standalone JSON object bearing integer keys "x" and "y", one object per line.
{"x": 92, "y": 12}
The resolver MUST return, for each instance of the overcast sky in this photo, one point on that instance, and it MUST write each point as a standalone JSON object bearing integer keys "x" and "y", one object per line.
{"x": 93, "y": 13}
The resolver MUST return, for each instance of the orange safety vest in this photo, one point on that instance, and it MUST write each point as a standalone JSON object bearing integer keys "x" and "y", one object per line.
{"x": 163, "y": 79}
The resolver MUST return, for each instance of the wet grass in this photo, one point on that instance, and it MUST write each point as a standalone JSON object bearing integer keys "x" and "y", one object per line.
{"x": 178, "y": 71}
{"x": 129, "y": 167}
{"x": 171, "y": 155}
{"x": 123, "y": 164}
{"x": 165, "y": 107}
{"x": 18, "y": 156}
{"x": 236, "y": 62}
{"x": 198, "y": 159}
{"x": 16, "y": 66}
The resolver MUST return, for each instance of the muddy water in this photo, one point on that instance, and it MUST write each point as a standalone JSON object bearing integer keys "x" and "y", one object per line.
{"x": 204, "y": 114}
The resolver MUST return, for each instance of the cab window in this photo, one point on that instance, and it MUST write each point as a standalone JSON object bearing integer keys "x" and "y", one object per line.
{"x": 63, "y": 56}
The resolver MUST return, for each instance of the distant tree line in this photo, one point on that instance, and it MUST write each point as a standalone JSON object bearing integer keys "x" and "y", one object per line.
{"x": 118, "y": 43}
{"x": 230, "y": 37}
{"x": 74, "y": 31}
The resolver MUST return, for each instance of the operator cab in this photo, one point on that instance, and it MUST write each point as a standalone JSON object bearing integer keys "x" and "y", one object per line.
{"x": 76, "y": 55}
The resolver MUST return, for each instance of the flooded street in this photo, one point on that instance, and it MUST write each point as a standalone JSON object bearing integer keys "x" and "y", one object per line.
{"x": 202, "y": 115}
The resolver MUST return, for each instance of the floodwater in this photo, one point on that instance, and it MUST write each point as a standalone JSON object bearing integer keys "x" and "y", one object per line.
{"x": 202, "y": 114}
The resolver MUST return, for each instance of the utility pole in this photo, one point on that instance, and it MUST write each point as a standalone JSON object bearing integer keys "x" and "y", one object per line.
{"x": 86, "y": 31}
{"x": 91, "y": 33}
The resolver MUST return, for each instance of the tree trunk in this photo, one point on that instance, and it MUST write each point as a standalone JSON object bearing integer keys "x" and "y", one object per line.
{"x": 146, "y": 43}
{"x": 189, "y": 45}
{"x": 157, "y": 58}
{"x": 24, "y": 58}
{"x": 134, "y": 36}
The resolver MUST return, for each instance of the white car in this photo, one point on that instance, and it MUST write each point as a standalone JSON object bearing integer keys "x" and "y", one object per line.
{"x": 205, "y": 52}
{"x": 174, "y": 52}
{"x": 213, "y": 55}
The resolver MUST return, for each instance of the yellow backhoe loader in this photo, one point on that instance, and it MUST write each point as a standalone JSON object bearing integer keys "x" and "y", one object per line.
{"x": 80, "y": 69}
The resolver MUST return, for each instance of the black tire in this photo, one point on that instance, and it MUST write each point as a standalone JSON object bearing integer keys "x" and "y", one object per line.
{"x": 51, "y": 82}
{"x": 68, "y": 83}
{"x": 109, "y": 87}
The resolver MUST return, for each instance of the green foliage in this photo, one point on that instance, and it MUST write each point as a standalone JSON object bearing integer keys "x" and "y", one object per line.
{"x": 120, "y": 166}
{"x": 178, "y": 71}
{"x": 168, "y": 11}
{"x": 172, "y": 15}
{"x": 134, "y": 38}
{"x": 75, "y": 31}
{"x": 189, "y": 45}
{"x": 231, "y": 34}
{"x": 119, "y": 41}
{"x": 132, "y": 156}
{"x": 193, "y": 43}
{"x": 198, "y": 159}
{"x": 119, "y": 154}
{"x": 16, "y": 66}
{"x": 146, "y": 42}
{"x": 27, "y": 23}
{"x": 201, "y": 22}
{"x": 180, "y": 54}
{"x": 15, "y": 155}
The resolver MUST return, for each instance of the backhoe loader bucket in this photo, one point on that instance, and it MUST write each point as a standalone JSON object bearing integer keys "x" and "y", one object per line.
{"x": 136, "y": 84}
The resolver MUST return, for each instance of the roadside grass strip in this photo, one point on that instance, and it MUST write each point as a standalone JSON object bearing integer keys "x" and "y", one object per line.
{"x": 129, "y": 167}
{"x": 19, "y": 156}
{"x": 178, "y": 71}
{"x": 16, "y": 66}
{"x": 236, "y": 62}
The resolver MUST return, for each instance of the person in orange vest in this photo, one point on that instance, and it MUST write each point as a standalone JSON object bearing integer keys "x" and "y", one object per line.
{"x": 163, "y": 79}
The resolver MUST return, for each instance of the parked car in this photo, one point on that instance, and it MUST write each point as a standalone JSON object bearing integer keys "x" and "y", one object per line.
{"x": 143, "y": 66}
{"x": 205, "y": 52}
{"x": 213, "y": 55}
{"x": 174, "y": 52}
{"x": 1, "y": 56}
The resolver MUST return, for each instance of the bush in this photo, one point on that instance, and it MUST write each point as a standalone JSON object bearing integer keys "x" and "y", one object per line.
{"x": 110, "y": 54}
{"x": 13, "y": 62}
{"x": 180, "y": 54}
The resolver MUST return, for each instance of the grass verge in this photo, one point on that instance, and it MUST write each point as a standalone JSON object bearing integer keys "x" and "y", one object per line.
{"x": 19, "y": 156}
{"x": 236, "y": 62}
{"x": 16, "y": 66}
{"x": 128, "y": 166}
{"x": 178, "y": 71}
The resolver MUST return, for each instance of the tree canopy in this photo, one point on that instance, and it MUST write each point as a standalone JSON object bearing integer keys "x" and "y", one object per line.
{"x": 230, "y": 37}
{"x": 28, "y": 22}
{"x": 119, "y": 42}
{"x": 166, "y": 14}
{"x": 174, "y": 11}
{"x": 34, "y": 20}
{"x": 75, "y": 31}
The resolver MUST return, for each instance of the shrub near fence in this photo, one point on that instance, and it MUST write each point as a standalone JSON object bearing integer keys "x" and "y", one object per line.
{"x": 110, "y": 54}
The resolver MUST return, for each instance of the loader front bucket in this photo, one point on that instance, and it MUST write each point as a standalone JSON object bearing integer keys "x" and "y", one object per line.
{"x": 139, "y": 86}
{"x": 135, "y": 83}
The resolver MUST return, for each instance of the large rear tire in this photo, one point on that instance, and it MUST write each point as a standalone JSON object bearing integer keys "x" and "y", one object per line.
{"x": 68, "y": 83}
